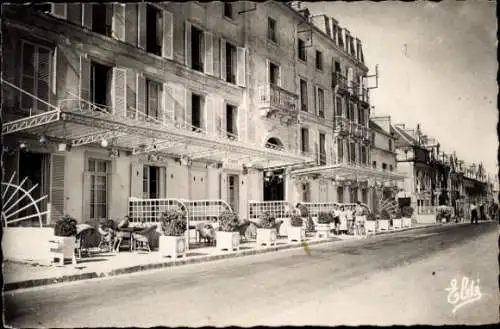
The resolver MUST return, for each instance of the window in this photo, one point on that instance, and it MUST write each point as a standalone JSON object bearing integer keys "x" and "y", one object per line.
{"x": 274, "y": 74}
{"x": 322, "y": 149}
{"x": 390, "y": 144}
{"x": 154, "y": 29}
{"x": 391, "y": 168}
{"x": 350, "y": 114}
{"x": 101, "y": 19}
{"x": 364, "y": 159}
{"x": 196, "y": 112}
{"x": 361, "y": 116}
{"x": 373, "y": 139}
{"x": 338, "y": 106}
{"x": 319, "y": 60}
{"x": 364, "y": 196}
{"x": 35, "y": 76}
{"x": 384, "y": 166}
{"x": 231, "y": 121}
{"x": 304, "y": 140}
{"x": 374, "y": 164}
{"x": 340, "y": 194}
{"x": 303, "y": 95}
{"x": 233, "y": 191}
{"x": 337, "y": 67}
{"x": 151, "y": 182}
{"x": 306, "y": 192}
{"x": 302, "y": 50}
{"x": 272, "y": 33}
{"x": 340, "y": 151}
{"x": 153, "y": 99}
{"x": 352, "y": 152}
{"x": 321, "y": 103}
{"x": 231, "y": 62}
{"x": 98, "y": 175}
{"x": 228, "y": 11}
{"x": 100, "y": 82}
{"x": 196, "y": 49}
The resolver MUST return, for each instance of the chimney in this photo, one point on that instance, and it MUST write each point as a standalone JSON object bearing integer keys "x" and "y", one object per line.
{"x": 335, "y": 30}
{"x": 322, "y": 23}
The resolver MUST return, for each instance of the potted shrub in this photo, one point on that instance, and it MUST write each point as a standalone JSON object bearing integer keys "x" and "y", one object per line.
{"x": 296, "y": 231}
{"x": 323, "y": 228}
{"x": 383, "y": 223}
{"x": 172, "y": 242}
{"x": 64, "y": 241}
{"x": 371, "y": 223}
{"x": 266, "y": 232}
{"x": 397, "y": 222}
{"x": 228, "y": 236}
{"x": 407, "y": 213}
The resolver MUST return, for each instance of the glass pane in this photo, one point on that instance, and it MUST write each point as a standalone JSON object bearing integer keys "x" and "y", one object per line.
{"x": 100, "y": 182}
{"x": 101, "y": 196}
{"x": 43, "y": 64}
{"x": 42, "y": 93}
{"x": 92, "y": 211}
{"x": 91, "y": 165}
{"x": 102, "y": 166}
{"x": 28, "y": 60}
{"x": 101, "y": 211}
{"x": 28, "y": 84}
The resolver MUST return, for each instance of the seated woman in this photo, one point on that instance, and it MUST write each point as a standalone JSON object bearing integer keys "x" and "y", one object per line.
{"x": 120, "y": 235}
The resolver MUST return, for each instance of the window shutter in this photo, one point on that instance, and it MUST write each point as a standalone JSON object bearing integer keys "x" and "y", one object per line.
{"x": 131, "y": 94}
{"x": 316, "y": 100}
{"x": 223, "y": 122}
{"x": 162, "y": 184}
{"x": 241, "y": 69}
{"x": 74, "y": 12}
{"x": 210, "y": 111}
{"x": 168, "y": 35}
{"x": 118, "y": 21}
{"x": 86, "y": 195}
{"x": 168, "y": 104}
{"x": 223, "y": 59}
{"x": 85, "y": 77}
{"x": 141, "y": 13}
{"x": 57, "y": 186}
{"x": 268, "y": 74}
{"x": 209, "y": 53}
{"x": 350, "y": 77}
{"x": 87, "y": 15}
{"x": 131, "y": 23}
{"x": 152, "y": 99}
{"x": 188, "y": 107}
{"x": 217, "y": 114}
{"x": 187, "y": 44}
{"x": 240, "y": 123}
{"x": 136, "y": 180}
{"x": 119, "y": 91}
{"x": 180, "y": 103}
{"x": 141, "y": 96}
{"x": 59, "y": 10}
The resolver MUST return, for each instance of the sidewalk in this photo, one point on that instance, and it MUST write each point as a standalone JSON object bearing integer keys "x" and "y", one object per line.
{"x": 18, "y": 275}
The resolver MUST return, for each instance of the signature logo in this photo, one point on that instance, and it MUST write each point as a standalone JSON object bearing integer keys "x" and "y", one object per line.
{"x": 463, "y": 293}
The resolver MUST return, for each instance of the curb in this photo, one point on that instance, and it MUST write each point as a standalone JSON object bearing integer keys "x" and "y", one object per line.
{"x": 139, "y": 268}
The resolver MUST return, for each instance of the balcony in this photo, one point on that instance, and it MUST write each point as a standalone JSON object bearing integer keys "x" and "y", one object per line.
{"x": 342, "y": 126}
{"x": 276, "y": 101}
{"x": 339, "y": 80}
{"x": 354, "y": 89}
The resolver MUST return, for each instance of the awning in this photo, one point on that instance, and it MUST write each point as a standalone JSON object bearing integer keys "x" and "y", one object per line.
{"x": 79, "y": 122}
{"x": 349, "y": 171}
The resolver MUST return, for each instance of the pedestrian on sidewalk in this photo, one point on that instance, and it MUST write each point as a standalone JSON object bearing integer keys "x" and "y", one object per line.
{"x": 359, "y": 213}
{"x": 350, "y": 218}
{"x": 336, "y": 218}
{"x": 343, "y": 219}
{"x": 473, "y": 213}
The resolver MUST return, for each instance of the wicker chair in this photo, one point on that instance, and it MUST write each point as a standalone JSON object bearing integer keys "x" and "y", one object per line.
{"x": 141, "y": 239}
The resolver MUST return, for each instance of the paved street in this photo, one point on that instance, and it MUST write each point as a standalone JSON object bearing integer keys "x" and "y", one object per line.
{"x": 397, "y": 278}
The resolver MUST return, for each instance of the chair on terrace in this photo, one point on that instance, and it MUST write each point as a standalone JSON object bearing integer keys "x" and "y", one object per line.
{"x": 141, "y": 239}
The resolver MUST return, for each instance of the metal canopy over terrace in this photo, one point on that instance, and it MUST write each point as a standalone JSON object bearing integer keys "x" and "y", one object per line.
{"x": 79, "y": 122}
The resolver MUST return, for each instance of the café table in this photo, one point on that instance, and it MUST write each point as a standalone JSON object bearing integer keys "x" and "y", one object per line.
{"x": 126, "y": 233}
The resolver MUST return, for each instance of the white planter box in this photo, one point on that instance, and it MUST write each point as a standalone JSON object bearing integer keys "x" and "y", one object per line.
{"x": 172, "y": 246}
{"x": 406, "y": 222}
{"x": 15, "y": 246}
{"x": 266, "y": 236}
{"x": 296, "y": 234}
{"x": 323, "y": 231}
{"x": 63, "y": 248}
{"x": 383, "y": 225}
{"x": 370, "y": 227}
{"x": 397, "y": 223}
{"x": 229, "y": 241}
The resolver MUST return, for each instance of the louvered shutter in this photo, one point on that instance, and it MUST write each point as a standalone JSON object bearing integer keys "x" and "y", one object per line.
{"x": 350, "y": 77}
{"x": 75, "y": 13}
{"x": 118, "y": 21}
{"x": 217, "y": 116}
{"x": 188, "y": 107}
{"x": 141, "y": 41}
{"x": 131, "y": 23}
{"x": 168, "y": 35}
{"x": 168, "y": 104}
{"x": 131, "y": 94}
{"x": 187, "y": 44}
{"x": 153, "y": 99}
{"x": 240, "y": 123}
{"x": 241, "y": 69}
{"x": 119, "y": 91}
{"x": 136, "y": 180}
{"x": 59, "y": 10}
{"x": 210, "y": 109}
{"x": 223, "y": 59}
{"x": 87, "y": 181}
{"x": 85, "y": 73}
{"x": 141, "y": 96}
{"x": 163, "y": 183}
{"x": 180, "y": 103}
{"x": 268, "y": 72}
{"x": 223, "y": 120}
{"x": 87, "y": 15}
{"x": 209, "y": 53}
{"x": 316, "y": 102}
{"x": 57, "y": 186}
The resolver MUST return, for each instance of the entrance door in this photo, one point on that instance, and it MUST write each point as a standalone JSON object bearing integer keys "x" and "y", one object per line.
{"x": 274, "y": 186}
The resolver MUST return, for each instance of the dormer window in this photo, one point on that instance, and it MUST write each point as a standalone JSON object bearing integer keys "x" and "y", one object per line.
{"x": 228, "y": 10}
{"x": 319, "y": 60}
{"x": 272, "y": 33}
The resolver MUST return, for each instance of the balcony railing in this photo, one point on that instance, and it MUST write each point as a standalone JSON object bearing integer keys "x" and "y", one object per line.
{"x": 340, "y": 80}
{"x": 345, "y": 126}
{"x": 276, "y": 98}
{"x": 342, "y": 125}
{"x": 353, "y": 88}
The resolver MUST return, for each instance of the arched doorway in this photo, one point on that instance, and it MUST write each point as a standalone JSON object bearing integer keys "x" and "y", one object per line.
{"x": 274, "y": 180}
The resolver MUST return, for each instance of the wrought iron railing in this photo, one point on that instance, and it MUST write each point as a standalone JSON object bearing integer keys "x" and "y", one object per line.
{"x": 340, "y": 80}
{"x": 277, "y": 97}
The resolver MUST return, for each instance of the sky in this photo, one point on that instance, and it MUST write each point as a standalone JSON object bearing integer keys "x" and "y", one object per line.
{"x": 437, "y": 67}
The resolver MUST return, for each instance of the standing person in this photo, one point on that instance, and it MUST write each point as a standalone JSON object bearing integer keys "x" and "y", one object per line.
{"x": 120, "y": 234}
{"x": 350, "y": 218}
{"x": 473, "y": 213}
{"x": 359, "y": 213}
{"x": 343, "y": 219}
{"x": 336, "y": 218}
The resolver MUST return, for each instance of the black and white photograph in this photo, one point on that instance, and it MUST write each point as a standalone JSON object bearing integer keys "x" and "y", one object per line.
{"x": 240, "y": 163}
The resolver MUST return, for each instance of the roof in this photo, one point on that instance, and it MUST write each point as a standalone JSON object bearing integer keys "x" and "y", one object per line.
{"x": 375, "y": 127}
{"x": 404, "y": 136}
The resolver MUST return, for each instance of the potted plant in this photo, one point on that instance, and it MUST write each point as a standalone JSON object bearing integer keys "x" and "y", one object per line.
{"x": 383, "y": 223}
{"x": 228, "y": 236}
{"x": 397, "y": 221}
{"x": 296, "y": 231}
{"x": 371, "y": 223}
{"x": 172, "y": 242}
{"x": 64, "y": 241}
{"x": 407, "y": 213}
{"x": 266, "y": 232}
{"x": 323, "y": 228}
